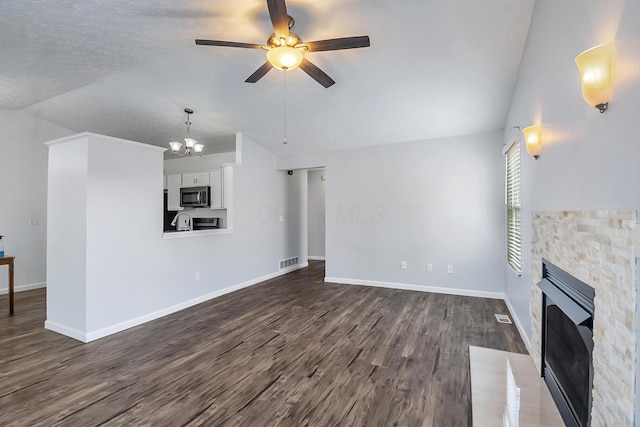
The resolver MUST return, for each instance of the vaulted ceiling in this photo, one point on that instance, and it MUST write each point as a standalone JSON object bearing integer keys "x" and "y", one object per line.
{"x": 435, "y": 68}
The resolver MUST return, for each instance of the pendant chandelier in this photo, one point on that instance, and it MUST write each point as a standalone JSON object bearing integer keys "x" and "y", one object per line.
{"x": 191, "y": 146}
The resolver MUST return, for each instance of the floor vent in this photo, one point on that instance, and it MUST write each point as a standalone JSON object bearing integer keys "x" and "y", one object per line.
{"x": 503, "y": 318}
{"x": 286, "y": 263}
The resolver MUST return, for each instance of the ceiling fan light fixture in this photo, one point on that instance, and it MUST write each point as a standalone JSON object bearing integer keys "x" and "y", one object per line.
{"x": 284, "y": 57}
{"x": 285, "y": 49}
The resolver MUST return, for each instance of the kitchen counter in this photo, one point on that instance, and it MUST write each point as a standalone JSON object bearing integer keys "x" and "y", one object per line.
{"x": 182, "y": 234}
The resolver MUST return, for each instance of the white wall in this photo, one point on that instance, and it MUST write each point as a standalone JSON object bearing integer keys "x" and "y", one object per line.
{"x": 67, "y": 223}
{"x": 437, "y": 201}
{"x": 123, "y": 221}
{"x": 133, "y": 274}
{"x": 190, "y": 164}
{"x": 23, "y": 174}
{"x": 316, "y": 213}
{"x": 589, "y": 160}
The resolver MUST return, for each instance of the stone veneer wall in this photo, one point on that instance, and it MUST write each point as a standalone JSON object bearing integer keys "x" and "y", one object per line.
{"x": 597, "y": 247}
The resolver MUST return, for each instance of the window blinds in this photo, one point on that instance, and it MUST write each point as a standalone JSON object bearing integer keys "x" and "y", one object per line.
{"x": 514, "y": 222}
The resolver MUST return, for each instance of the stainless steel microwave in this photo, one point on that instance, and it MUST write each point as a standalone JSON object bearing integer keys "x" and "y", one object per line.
{"x": 195, "y": 197}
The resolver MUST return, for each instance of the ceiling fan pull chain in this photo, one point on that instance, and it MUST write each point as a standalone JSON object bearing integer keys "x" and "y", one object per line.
{"x": 285, "y": 106}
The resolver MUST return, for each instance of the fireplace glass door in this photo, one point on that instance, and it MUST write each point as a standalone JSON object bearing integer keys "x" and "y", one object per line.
{"x": 568, "y": 359}
{"x": 567, "y": 343}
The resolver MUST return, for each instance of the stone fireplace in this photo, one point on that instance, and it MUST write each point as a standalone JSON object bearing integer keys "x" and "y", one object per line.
{"x": 600, "y": 249}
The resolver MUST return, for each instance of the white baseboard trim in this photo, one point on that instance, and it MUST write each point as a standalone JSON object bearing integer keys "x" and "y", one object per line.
{"x": 516, "y": 320}
{"x": 316, "y": 258}
{"x": 420, "y": 288}
{"x": 100, "y": 333}
{"x": 70, "y": 332}
{"x": 23, "y": 288}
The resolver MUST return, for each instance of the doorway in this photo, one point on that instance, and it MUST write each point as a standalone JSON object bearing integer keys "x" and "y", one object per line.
{"x": 316, "y": 214}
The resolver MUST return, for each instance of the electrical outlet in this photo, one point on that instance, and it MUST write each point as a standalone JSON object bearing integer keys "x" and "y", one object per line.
{"x": 429, "y": 267}
{"x": 450, "y": 268}
{"x": 197, "y": 276}
{"x": 34, "y": 221}
{"x": 403, "y": 265}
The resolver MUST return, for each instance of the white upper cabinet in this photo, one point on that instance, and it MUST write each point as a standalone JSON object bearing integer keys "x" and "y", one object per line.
{"x": 174, "y": 182}
{"x": 195, "y": 179}
{"x": 219, "y": 180}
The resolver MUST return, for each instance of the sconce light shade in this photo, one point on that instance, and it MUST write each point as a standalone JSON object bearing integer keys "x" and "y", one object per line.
{"x": 596, "y": 67}
{"x": 532, "y": 140}
{"x": 284, "y": 57}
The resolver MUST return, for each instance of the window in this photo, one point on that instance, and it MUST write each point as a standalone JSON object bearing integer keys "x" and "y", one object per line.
{"x": 514, "y": 222}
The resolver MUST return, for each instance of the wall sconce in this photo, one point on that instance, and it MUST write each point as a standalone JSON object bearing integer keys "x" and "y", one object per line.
{"x": 596, "y": 67}
{"x": 532, "y": 140}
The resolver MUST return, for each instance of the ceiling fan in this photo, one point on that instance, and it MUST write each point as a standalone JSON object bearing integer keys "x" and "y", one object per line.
{"x": 285, "y": 50}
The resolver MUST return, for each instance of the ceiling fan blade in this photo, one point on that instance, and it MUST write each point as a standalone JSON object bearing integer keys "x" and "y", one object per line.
{"x": 229, "y": 44}
{"x": 316, "y": 73}
{"x": 279, "y": 17}
{"x": 337, "y": 44}
{"x": 259, "y": 73}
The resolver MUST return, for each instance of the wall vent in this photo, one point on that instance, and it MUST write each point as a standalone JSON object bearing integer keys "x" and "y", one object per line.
{"x": 503, "y": 318}
{"x": 286, "y": 263}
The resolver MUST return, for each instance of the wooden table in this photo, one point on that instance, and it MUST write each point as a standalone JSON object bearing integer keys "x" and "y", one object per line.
{"x": 8, "y": 260}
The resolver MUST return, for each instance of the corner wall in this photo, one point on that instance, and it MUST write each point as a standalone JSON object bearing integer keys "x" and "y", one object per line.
{"x": 589, "y": 160}
{"x": 23, "y": 174}
{"x": 433, "y": 202}
{"x": 133, "y": 275}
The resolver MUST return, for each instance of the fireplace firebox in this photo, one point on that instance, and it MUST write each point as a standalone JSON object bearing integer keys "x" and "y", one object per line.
{"x": 567, "y": 343}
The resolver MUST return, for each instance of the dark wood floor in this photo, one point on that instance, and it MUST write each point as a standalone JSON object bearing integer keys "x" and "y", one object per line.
{"x": 290, "y": 351}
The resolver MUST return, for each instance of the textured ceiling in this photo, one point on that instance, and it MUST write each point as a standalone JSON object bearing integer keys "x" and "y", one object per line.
{"x": 127, "y": 69}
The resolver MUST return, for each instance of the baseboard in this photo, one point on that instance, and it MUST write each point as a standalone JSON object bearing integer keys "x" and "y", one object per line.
{"x": 70, "y": 332}
{"x": 23, "y": 288}
{"x": 316, "y": 258}
{"x": 516, "y": 320}
{"x": 420, "y": 288}
{"x": 109, "y": 330}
